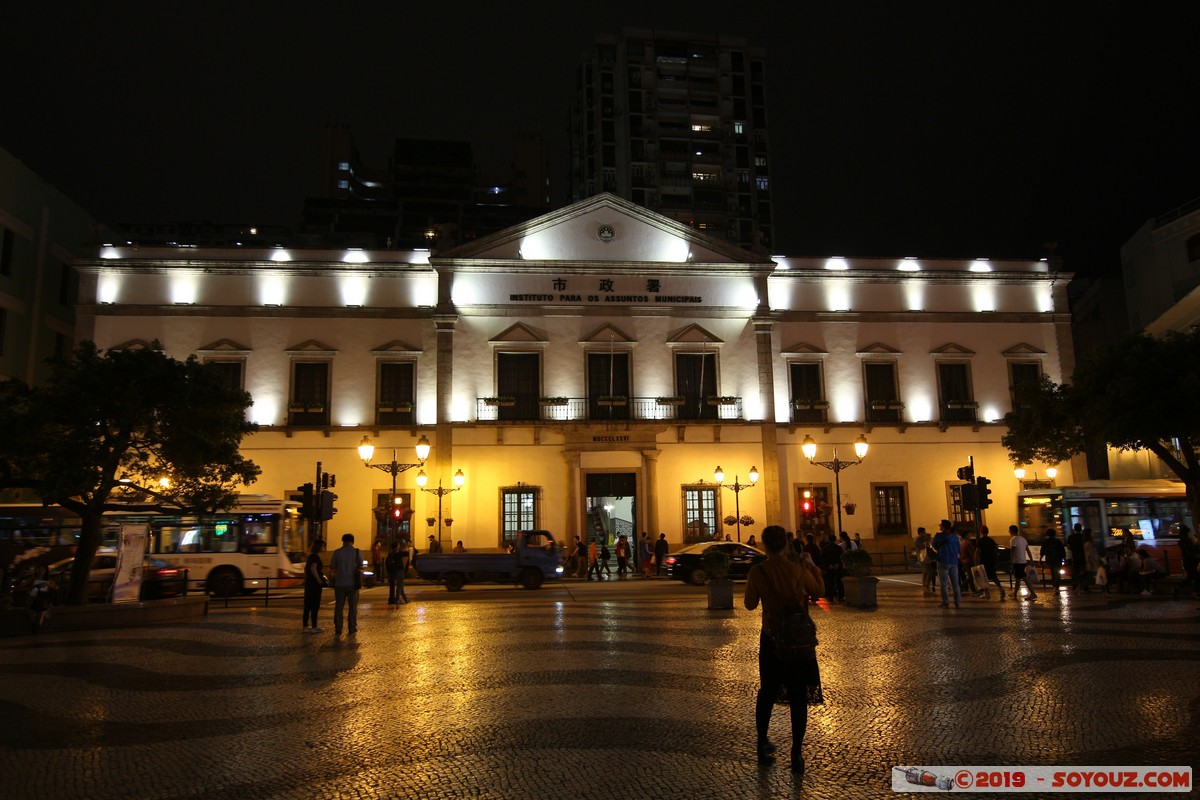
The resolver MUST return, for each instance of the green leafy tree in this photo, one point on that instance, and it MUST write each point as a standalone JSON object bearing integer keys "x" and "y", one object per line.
{"x": 1140, "y": 393}
{"x": 106, "y": 430}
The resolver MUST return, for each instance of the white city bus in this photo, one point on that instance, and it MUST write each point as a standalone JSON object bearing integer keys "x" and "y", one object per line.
{"x": 228, "y": 552}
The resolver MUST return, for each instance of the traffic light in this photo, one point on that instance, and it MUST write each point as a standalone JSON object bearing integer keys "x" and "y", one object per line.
{"x": 327, "y": 510}
{"x": 970, "y": 497}
{"x": 808, "y": 506}
{"x": 983, "y": 492}
{"x": 308, "y": 508}
{"x": 967, "y": 474}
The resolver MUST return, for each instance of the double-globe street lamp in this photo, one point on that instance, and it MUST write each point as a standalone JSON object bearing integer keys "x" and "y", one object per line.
{"x": 366, "y": 449}
{"x": 737, "y": 489}
{"x": 440, "y": 491}
{"x": 809, "y": 448}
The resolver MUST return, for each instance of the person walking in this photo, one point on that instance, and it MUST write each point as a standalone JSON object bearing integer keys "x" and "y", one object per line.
{"x": 988, "y": 552}
{"x": 946, "y": 545}
{"x": 778, "y": 583}
{"x": 314, "y": 582}
{"x": 346, "y": 564}
{"x": 40, "y": 590}
{"x": 622, "y": 556}
{"x": 1053, "y": 554}
{"x": 434, "y": 545}
{"x": 1019, "y": 557}
{"x": 593, "y": 557}
{"x": 604, "y": 557}
{"x": 581, "y": 558}
{"x": 661, "y": 548}
{"x": 377, "y": 558}
{"x": 646, "y": 553}
{"x": 1189, "y": 553}
{"x": 397, "y": 565}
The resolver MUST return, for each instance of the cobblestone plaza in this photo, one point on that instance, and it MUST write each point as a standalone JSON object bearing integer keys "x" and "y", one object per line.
{"x": 588, "y": 690}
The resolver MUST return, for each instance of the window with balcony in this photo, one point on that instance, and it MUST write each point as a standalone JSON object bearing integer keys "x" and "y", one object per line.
{"x": 395, "y": 400}
{"x": 310, "y": 393}
{"x": 608, "y": 385}
{"x": 696, "y": 382}
{"x": 954, "y": 390}
{"x": 519, "y": 377}
{"x": 808, "y": 396}
{"x": 883, "y": 397}
{"x": 890, "y": 509}
{"x": 700, "y": 513}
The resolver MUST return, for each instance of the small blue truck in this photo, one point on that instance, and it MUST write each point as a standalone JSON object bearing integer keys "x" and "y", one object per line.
{"x": 537, "y": 558}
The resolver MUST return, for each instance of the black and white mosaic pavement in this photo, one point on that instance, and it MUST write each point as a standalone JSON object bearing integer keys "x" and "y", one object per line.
{"x": 597, "y": 691}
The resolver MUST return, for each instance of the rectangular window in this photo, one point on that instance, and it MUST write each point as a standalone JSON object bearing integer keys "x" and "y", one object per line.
{"x": 66, "y": 285}
{"x": 739, "y": 128}
{"x": 961, "y": 517}
{"x": 808, "y": 398}
{"x": 310, "y": 393}
{"x": 230, "y": 373}
{"x": 1022, "y": 372}
{"x": 3, "y": 326}
{"x": 743, "y": 176}
{"x": 891, "y": 509}
{"x": 395, "y": 401}
{"x": 762, "y": 182}
{"x": 954, "y": 387}
{"x": 608, "y": 385}
{"x": 695, "y": 382}
{"x": 700, "y": 511}
{"x": 519, "y": 509}
{"x": 6, "y": 252}
{"x": 519, "y": 376}
{"x": 883, "y": 400}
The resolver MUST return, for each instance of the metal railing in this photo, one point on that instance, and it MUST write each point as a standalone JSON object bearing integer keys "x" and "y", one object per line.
{"x": 586, "y": 409}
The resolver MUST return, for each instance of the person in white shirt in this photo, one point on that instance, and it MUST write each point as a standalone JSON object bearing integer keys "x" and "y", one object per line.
{"x": 1018, "y": 558}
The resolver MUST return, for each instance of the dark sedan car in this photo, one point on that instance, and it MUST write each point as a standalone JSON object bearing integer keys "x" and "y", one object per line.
{"x": 159, "y": 579}
{"x": 685, "y": 565}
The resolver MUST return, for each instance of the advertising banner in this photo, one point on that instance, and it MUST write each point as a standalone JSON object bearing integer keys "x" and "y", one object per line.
{"x": 131, "y": 559}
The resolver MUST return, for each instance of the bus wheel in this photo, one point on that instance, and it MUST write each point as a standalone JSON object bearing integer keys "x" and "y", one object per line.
{"x": 531, "y": 578}
{"x": 224, "y": 582}
{"x": 454, "y": 581}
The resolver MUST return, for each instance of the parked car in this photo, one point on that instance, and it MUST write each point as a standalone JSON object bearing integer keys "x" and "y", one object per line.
{"x": 159, "y": 579}
{"x": 685, "y": 565}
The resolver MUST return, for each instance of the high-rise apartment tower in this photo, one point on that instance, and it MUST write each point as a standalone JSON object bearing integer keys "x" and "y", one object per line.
{"x": 677, "y": 123}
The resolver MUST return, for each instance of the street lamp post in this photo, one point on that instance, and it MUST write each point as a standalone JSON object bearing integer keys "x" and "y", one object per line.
{"x": 366, "y": 449}
{"x": 440, "y": 491}
{"x": 737, "y": 489}
{"x": 809, "y": 448}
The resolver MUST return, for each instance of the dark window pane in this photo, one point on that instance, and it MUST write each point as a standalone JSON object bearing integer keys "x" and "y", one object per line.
{"x": 395, "y": 404}
{"x": 696, "y": 381}
{"x": 608, "y": 376}
{"x": 518, "y": 375}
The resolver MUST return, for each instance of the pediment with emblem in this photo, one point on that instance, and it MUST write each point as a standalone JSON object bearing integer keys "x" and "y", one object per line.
{"x": 602, "y": 228}
{"x": 608, "y": 334}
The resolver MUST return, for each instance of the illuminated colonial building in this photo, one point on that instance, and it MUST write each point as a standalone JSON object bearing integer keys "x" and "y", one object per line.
{"x": 590, "y": 370}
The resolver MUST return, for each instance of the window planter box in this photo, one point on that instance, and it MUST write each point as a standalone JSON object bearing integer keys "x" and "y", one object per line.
{"x": 810, "y": 404}
{"x": 891, "y": 406}
{"x": 611, "y": 400}
{"x": 722, "y": 401}
{"x": 552, "y": 401}
{"x": 963, "y": 405}
{"x": 395, "y": 407}
{"x": 670, "y": 401}
{"x": 301, "y": 408}
{"x": 499, "y": 401}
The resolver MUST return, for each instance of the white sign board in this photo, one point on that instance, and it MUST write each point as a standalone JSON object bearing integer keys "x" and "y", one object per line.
{"x": 131, "y": 559}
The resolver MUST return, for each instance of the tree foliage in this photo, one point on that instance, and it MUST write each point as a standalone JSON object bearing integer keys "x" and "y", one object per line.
{"x": 1139, "y": 393}
{"x": 106, "y": 429}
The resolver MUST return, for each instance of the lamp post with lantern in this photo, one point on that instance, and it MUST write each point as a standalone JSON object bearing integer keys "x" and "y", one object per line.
{"x": 737, "y": 489}
{"x": 366, "y": 450}
{"x": 809, "y": 448}
{"x": 441, "y": 492}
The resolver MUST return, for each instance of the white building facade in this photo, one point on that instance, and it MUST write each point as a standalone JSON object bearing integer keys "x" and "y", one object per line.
{"x": 589, "y": 370}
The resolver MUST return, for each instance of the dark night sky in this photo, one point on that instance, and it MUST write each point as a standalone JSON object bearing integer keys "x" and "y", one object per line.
{"x": 949, "y": 129}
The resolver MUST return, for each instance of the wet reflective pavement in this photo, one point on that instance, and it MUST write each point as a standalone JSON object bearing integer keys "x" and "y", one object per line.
{"x": 588, "y": 690}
